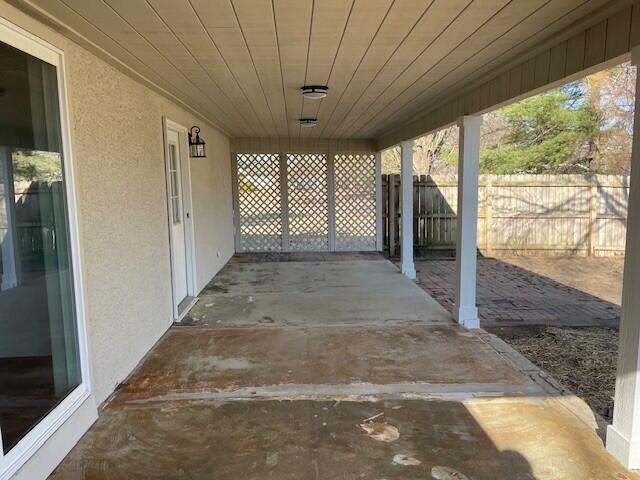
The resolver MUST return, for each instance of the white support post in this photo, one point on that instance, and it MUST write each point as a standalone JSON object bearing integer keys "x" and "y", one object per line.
{"x": 623, "y": 437}
{"x": 466, "y": 312}
{"x": 406, "y": 209}
{"x": 378, "y": 169}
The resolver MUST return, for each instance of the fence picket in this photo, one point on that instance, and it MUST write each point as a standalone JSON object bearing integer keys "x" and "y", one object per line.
{"x": 518, "y": 214}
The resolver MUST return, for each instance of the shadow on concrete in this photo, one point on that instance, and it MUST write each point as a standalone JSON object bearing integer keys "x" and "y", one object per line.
{"x": 294, "y": 439}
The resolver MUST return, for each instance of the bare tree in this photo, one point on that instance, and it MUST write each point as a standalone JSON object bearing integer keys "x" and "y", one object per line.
{"x": 427, "y": 154}
{"x": 611, "y": 94}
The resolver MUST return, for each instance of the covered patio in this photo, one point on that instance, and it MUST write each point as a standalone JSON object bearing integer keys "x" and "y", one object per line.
{"x": 335, "y": 366}
{"x": 220, "y": 308}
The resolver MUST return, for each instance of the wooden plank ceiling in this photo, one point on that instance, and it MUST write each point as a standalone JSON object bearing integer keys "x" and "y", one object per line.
{"x": 241, "y": 63}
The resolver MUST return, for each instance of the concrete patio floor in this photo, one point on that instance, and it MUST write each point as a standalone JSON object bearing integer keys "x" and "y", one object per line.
{"x": 335, "y": 367}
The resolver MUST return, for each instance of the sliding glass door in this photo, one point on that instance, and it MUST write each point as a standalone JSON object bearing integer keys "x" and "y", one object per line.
{"x": 39, "y": 347}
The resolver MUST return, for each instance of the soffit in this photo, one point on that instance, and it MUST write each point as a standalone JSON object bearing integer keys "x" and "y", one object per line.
{"x": 241, "y": 63}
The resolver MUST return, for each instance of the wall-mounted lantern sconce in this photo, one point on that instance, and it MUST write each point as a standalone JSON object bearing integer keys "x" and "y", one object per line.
{"x": 196, "y": 144}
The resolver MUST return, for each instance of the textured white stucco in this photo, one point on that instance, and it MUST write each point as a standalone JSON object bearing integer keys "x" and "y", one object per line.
{"x": 118, "y": 157}
{"x": 120, "y": 177}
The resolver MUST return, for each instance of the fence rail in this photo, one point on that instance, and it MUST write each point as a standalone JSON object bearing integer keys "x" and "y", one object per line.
{"x": 517, "y": 214}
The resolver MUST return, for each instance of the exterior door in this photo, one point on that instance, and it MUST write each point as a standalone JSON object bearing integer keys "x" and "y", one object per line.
{"x": 178, "y": 218}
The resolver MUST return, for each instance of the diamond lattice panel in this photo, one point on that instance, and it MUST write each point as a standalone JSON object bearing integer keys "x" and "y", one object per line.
{"x": 259, "y": 202}
{"x": 355, "y": 195}
{"x": 307, "y": 202}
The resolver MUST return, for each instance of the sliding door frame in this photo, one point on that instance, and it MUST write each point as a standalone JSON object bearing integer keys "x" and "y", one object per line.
{"x": 26, "y": 447}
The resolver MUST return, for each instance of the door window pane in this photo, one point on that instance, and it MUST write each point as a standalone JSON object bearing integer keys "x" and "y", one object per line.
{"x": 175, "y": 186}
{"x": 39, "y": 359}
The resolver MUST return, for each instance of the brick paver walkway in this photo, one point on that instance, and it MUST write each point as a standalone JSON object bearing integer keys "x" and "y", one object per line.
{"x": 532, "y": 291}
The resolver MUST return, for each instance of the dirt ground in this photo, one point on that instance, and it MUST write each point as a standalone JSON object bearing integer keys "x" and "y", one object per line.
{"x": 583, "y": 359}
{"x": 561, "y": 313}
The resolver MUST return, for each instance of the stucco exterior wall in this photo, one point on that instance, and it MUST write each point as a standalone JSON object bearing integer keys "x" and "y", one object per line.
{"x": 118, "y": 157}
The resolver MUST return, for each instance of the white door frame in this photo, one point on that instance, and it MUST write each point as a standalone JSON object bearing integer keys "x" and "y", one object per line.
{"x": 187, "y": 214}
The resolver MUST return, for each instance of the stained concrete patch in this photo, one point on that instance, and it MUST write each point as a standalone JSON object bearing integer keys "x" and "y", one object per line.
{"x": 405, "y": 460}
{"x": 215, "y": 362}
{"x": 380, "y": 431}
{"x": 313, "y": 294}
{"x": 515, "y": 439}
{"x": 207, "y": 359}
{"x": 272, "y": 459}
{"x": 446, "y": 473}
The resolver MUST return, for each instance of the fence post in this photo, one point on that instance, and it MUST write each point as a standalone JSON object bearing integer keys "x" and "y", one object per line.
{"x": 415, "y": 190}
{"x": 391, "y": 181}
{"x": 593, "y": 217}
{"x": 385, "y": 212}
{"x": 422, "y": 212}
{"x": 488, "y": 215}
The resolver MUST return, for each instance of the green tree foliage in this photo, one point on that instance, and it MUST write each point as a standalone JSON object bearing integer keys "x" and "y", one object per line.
{"x": 548, "y": 133}
{"x": 584, "y": 127}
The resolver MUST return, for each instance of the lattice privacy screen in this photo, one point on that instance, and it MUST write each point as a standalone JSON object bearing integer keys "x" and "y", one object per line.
{"x": 259, "y": 202}
{"x": 291, "y": 210}
{"x": 308, "y": 202}
{"x": 355, "y": 202}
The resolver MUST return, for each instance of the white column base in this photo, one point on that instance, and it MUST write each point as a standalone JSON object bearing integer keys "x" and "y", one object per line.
{"x": 626, "y": 451}
{"x": 409, "y": 270}
{"x": 467, "y": 317}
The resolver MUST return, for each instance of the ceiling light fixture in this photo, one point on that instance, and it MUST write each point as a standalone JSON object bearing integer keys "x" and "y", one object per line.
{"x": 308, "y": 122}
{"x": 314, "y": 92}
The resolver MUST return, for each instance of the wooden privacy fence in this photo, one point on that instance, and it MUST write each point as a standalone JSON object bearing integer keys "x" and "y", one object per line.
{"x": 517, "y": 214}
